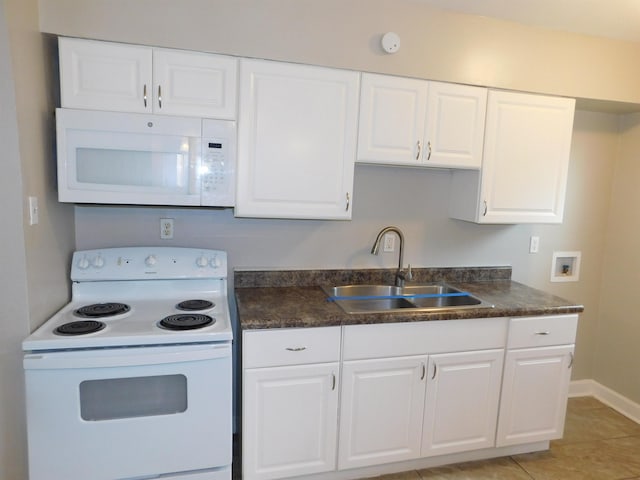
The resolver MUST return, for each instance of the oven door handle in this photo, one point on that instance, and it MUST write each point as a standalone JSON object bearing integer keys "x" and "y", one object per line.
{"x": 125, "y": 357}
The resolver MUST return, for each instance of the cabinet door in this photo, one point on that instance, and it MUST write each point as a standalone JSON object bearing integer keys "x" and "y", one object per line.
{"x": 534, "y": 394}
{"x": 194, "y": 84}
{"x": 296, "y": 141}
{"x": 381, "y": 410}
{"x": 463, "y": 390}
{"x": 105, "y": 76}
{"x": 392, "y": 116}
{"x": 526, "y": 158}
{"x": 290, "y": 417}
{"x": 455, "y": 125}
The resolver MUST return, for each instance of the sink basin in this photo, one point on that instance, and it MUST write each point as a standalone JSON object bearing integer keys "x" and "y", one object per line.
{"x": 388, "y": 298}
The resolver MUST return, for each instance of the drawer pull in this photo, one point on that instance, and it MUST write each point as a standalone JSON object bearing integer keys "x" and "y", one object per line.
{"x": 545, "y": 332}
{"x": 296, "y": 349}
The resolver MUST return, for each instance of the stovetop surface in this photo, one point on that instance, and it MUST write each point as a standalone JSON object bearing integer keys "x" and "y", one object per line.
{"x": 151, "y": 290}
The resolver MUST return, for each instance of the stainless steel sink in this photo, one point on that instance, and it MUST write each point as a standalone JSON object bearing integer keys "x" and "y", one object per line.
{"x": 388, "y": 298}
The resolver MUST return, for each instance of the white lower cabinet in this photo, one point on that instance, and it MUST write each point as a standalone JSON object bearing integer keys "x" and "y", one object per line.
{"x": 290, "y": 420}
{"x": 322, "y": 400}
{"x": 534, "y": 394}
{"x": 463, "y": 390}
{"x": 381, "y": 410}
{"x": 537, "y": 373}
{"x": 290, "y": 410}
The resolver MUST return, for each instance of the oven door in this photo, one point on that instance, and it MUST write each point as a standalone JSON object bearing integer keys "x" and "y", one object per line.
{"x": 130, "y": 413}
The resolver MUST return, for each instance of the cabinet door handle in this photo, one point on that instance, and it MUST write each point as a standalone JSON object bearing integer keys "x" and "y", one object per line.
{"x": 424, "y": 371}
{"x": 545, "y": 332}
{"x": 144, "y": 95}
{"x": 160, "y": 96}
{"x": 348, "y": 202}
{"x": 571, "y": 361}
{"x": 296, "y": 349}
{"x": 429, "y": 150}
{"x": 333, "y": 381}
{"x": 419, "y": 150}
{"x": 435, "y": 369}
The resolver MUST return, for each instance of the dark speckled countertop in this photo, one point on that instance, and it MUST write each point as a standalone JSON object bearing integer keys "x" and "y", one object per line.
{"x": 293, "y": 298}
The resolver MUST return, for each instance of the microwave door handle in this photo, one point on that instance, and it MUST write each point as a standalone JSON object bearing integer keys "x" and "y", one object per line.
{"x": 133, "y": 357}
{"x": 195, "y": 167}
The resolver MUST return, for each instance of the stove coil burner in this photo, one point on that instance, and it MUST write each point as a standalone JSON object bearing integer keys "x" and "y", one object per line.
{"x": 190, "y": 305}
{"x": 101, "y": 310}
{"x": 187, "y": 321}
{"x": 80, "y": 327}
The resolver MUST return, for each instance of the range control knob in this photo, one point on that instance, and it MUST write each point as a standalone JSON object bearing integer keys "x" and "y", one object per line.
{"x": 202, "y": 261}
{"x": 150, "y": 261}
{"x": 83, "y": 263}
{"x": 98, "y": 262}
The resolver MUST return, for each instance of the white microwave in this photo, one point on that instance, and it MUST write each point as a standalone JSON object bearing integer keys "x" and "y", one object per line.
{"x": 140, "y": 159}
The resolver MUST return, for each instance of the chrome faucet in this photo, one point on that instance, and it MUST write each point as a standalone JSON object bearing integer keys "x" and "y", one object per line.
{"x": 401, "y": 276}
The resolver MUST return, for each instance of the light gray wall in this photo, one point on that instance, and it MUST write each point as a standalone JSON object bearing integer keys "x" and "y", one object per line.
{"x": 13, "y": 278}
{"x": 34, "y": 259}
{"x": 49, "y": 243}
{"x": 435, "y": 44}
{"x": 617, "y": 358}
{"x": 416, "y": 201}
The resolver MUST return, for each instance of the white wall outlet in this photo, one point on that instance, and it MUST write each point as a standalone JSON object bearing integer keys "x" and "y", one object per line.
{"x": 166, "y": 228}
{"x": 389, "y": 244}
{"x": 534, "y": 244}
{"x": 34, "y": 214}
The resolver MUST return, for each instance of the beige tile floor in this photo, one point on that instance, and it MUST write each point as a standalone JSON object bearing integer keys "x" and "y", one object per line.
{"x": 598, "y": 444}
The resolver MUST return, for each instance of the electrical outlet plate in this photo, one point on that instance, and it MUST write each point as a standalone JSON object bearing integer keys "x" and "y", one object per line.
{"x": 34, "y": 214}
{"x": 389, "y": 244}
{"x": 534, "y": 244}
{"x": 166, "y": 228}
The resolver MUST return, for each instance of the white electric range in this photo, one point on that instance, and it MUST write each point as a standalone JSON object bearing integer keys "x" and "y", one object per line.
{"x": 132, "y": 378}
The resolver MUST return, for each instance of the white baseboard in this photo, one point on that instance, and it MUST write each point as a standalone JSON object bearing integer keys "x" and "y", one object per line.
{"x": 583, "y": 388}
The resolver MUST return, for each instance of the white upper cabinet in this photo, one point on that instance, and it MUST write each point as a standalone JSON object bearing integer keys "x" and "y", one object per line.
{"x": 130, "y": 78}
{"x": 526, "y": 159}
{"x": 105, "y": 76}
{"x": 406, "y": 121}
{"x": 193, "y": 83}
{"x": 296, "y": 141}
{"x": 392, "y": 117}
{"x": 455, "y": 125}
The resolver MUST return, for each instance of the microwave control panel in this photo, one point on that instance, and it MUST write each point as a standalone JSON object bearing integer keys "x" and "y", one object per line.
{"x": 217, "y": 186}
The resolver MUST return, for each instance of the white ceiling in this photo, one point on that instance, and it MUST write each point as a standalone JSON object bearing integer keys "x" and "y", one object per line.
{"x": 618, "y": 19}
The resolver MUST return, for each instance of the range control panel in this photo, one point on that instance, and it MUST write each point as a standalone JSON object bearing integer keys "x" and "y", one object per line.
{"x": 147, "y": 263}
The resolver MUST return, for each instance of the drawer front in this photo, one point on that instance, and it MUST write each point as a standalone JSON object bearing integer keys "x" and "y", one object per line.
{"x": 294, "y": 346}
{"x": 420, "y": 338}
{"x": 542, "y": 331}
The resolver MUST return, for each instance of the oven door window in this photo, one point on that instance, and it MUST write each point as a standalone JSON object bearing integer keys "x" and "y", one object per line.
{"x": 115, "y": 398}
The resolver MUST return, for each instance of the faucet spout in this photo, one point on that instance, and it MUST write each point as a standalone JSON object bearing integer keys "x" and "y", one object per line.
{"x": 400, "y": 274}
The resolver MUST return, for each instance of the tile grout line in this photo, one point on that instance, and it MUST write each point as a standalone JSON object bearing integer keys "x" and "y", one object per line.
{"x": 530, "y": 475}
